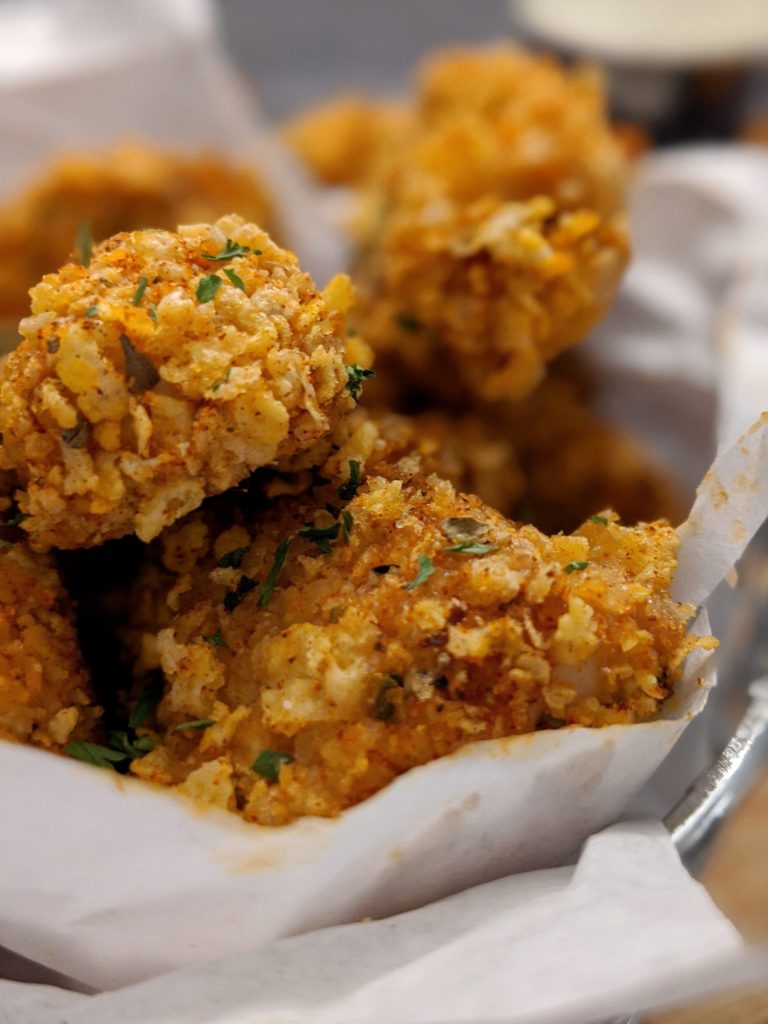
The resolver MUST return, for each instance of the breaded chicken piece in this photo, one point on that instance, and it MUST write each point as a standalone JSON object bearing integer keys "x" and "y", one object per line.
{"x": 45, "y": 694}
{"x": 167, "y": 370}
{"x": 494, "y": 238}
{"x": 343, "y": 140}
{"x": 318, "y": 649}
{"x": 127, "y": 188}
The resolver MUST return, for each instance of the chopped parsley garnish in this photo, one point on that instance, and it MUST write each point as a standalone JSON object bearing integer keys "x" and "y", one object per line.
{"x": 347, "y": 522}
{"x": 14, "y": 520}
{"x": 198, "y": 723}
{"x": 77, "y": 436}
{"x": 230, "y": 252}
{"x": 94, "y": 753}
{"x": 244, "y": 586}
{"x": 575, "y": 567}
{"x": 463, "y": 529}
{"x": 426, "y": 568}
{"x": 234, "y": 279}
{"x": 208, "y": 287}
{"x": 233, "y": 559}
{"x": 92, "y": 311}
{"x": 383, "y": 708}
{"x": 140, "y": 371}
{"x": 222, "y": 380}
{"x": 408, "y": 322}
{"x": 268, "y": 764}
{"x": 348, "y": 490}
{"x": 215, "y": 639}
{"x": 281, "y": 553}
{"x": 142, "y": 287}
{"x": 146, "y": 702}
{"x": 382, "y": 570}
{"x": 152, "y": 310}
{"x": 356, "y": 374}
{"x": 121, "y": 742}
{"x": 5, "y": 544}
{"x": 84, "y": 243}
{"x": 469, "y": 547}
{"x": 600, "y": 520}
{"x": 321, "y": 535}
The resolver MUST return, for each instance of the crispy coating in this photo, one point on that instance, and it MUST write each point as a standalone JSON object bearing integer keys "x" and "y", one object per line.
{"x": 45, "y": 694}
{"x": 343, "y": 141}
{"x": 153, "y": 378}
{"x": 494, "y": 238}
{"x": 376, "y": 648}
{"x": 125, "y": 189}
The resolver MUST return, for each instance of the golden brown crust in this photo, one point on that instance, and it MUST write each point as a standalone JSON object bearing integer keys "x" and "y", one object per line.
{"x": 136, "y": 393}
{"x": 494, "y": 237}
{"x": 125, "y": 189}
{"x": 358, "y": 672}
{"x": 45, "y": 695}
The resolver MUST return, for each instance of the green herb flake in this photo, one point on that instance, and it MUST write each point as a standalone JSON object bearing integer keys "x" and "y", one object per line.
{"x": 5, "y": 544}
{"x": 575, "y": 567}
{"x": 94, "y": 753}
{"x": 464, "y": 529}
{"x": 230, "y": 252}
{"x": 348, "y": 490}
{"x": 198, "y": 723}
{"x": 234, "y": 279}
{"x": 215, "y": 639}
{"x": 244, "y": 586}
{"x": 356, "y": 374}
{"x": 84, "y": 243}
{"x": 281, "y": 553}
{"x": 408, "y": 322}
{"x": 233, "y": 559}
{"x": 147, "y": 701}
{"x": 208, "y": 287}
{"x": 139, "y": 293}
{"x": 92, "y": 311}
{"x": 383, "y": 708}
{"x": 469, "y": 547}
{"x": 426, "y": 569}
{"x": 152, "y": 310}
{"x": 77, "y": 436}
{"x": 347, "y": 522}
{"x": 268, "y": 764}
{"x": 140, "y": 372}
{"x": 321, "y": 535}
{"x": 600, "y": 520}
{"x": 382, "y": 570}
{"x": 14, "y": 520}
{"x": 222, "y": 380}
{"x": 121, "y": 743}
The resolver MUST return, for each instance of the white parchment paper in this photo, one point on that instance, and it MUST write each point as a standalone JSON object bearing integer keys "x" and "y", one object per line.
{"x": 111, "y": 882}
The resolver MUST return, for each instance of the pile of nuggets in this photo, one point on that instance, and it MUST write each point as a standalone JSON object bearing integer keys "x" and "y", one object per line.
{"x": 316, "y": 595}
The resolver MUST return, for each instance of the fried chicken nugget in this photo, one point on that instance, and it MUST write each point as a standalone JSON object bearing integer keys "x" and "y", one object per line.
{"x": 319, "y": 649}
{"x": 167, "y": 370}
{"x": 495, "y": 237}
{"x": 124, "y": 189}
{"x": 45, "y": 693}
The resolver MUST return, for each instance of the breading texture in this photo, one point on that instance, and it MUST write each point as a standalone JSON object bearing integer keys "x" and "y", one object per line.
{"x": 45, "y": 694}
{"x": 167, "y": 370}
{"x": 126, "y": 188}
{"x": 494, "y": 237}
{"x": 343, "y": 140}
{"x": 315, "y": 651}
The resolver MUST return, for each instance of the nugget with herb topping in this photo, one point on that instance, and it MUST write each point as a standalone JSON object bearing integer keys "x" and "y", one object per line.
{"x": 494, "y": 238}
{"x": 348, "y": 634}
{"x": 166, "y": 370}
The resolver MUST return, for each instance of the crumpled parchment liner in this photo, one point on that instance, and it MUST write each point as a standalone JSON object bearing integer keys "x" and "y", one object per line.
{"x": 111, "y": 881}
